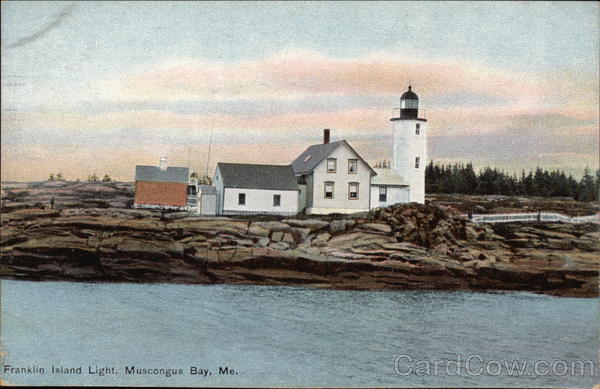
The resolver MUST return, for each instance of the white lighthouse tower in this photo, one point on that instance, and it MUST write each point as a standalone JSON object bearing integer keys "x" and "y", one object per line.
{"x": 410, "y": 145}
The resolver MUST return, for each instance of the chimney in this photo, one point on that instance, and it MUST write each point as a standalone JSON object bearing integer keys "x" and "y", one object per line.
{"x": 326, "y": 136}
{"x": 163, "y": 163}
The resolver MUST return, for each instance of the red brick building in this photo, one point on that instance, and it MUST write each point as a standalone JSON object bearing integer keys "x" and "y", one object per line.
{"x": 161, "y": 186}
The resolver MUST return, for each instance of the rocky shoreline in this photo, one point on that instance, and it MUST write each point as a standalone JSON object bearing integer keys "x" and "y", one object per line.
{"x": 400, "y": 247}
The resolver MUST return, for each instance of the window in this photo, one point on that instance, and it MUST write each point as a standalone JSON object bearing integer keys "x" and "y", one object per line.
{"x": 328, "y": 190}
{"x": 418, "y": 129}
{"x": 241, "y": 198}
{"x": 353, "y": 191}
{"x": 276, "y": 200}
{"x": 331, "y": 165}
{"x": 417, "y": 160}
{"x": 409, "y": 103}
{"x": 352, "y": 165}
{"x": 383, "y": 194}
{"x": 307, "y": 158}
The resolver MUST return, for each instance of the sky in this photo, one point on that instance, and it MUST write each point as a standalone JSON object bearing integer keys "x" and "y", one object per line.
{"x": 98, "y": 87}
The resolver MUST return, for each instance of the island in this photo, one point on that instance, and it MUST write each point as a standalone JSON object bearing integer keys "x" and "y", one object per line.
{"x": 89, "y": 232}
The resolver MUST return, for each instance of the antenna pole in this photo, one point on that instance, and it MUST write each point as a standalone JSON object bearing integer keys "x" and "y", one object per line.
{"x": 209, "y": 146}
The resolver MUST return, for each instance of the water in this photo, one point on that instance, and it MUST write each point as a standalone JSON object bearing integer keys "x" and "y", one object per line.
{"x": 288, "y": 336}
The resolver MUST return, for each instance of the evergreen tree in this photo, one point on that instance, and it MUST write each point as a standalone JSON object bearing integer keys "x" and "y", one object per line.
{"x": 587, "y": 187}
{"x": 462, "y": 178}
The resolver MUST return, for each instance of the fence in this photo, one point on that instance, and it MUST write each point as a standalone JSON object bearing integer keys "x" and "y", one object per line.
{"x": 533, "y": 217}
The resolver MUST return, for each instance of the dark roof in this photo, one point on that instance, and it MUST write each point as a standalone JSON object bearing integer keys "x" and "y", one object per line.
{"x": 312, "y": 156}
{"x": 409, "y": 95}
{"x": 153, "y": 173}
{"x": 250, "y": 176}
{"x": 207, "y": 189}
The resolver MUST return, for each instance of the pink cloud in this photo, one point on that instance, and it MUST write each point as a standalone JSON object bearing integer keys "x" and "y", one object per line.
{"x": 552, "y": 105}
{"x": 298, "y": 74}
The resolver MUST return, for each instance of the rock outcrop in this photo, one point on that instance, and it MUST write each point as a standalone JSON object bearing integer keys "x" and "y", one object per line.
{"x": 400, "y": 247}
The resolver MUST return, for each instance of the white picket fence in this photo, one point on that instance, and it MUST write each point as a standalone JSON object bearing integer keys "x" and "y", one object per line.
{"x": 533, "y": 216}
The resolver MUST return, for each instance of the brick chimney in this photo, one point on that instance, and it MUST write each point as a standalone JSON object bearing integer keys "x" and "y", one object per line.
{"x": 163, "y": 163}
{"x": 326, "y": 136}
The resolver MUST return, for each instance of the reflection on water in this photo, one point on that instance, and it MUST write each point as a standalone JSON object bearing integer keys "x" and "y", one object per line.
{"x": 282, "y": 336}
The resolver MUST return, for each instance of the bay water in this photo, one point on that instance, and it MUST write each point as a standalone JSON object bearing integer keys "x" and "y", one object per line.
{"x": 62, "y": 333}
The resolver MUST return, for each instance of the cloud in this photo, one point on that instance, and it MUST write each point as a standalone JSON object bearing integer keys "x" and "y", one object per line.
{"x": 267, "y": 110}
{"x": 299, "y": 74}
{"x": 58, "y": 19}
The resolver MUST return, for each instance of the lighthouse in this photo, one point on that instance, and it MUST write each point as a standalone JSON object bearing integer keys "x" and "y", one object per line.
{"x": 409, "y": 154}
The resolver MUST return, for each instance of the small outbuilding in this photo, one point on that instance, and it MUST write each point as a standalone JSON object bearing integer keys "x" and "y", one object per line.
{"x": 207, "y": 200}
{"x": 388, "y": 188}
{"x": 161, "y": 186}
{"x": 246, "y": 189}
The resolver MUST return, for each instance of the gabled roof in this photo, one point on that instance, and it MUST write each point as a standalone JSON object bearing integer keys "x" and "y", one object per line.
{"x": 251, "y": 176}
{"x": 386, "y": 176}
{"x": 154, "y": 173}
{"x": 312, "y": 156}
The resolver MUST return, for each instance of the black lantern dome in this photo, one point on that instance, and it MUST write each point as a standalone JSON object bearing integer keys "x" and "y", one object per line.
{"x": 409, "y": 105}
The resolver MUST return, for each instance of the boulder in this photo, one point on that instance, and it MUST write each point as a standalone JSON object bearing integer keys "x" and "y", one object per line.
{"x": 277, "y": 236}
{"x": 560, "y": 244}
{"x": 588, "y": 242}
{"x": 321, "y": 239}
{"x": 441, "y": 249}
{"x": 279, "y": 245}
{"x": 260, "y": 230}
{"x": 264, "y": 242}
{"x": 312, "y": 224}
{"x": 386, "y": 228}
{"x": 337, "y": 226}
{"x": 288, "y": 238}
{"x": 29, "y": 214}
{"x": 300, "y": 234}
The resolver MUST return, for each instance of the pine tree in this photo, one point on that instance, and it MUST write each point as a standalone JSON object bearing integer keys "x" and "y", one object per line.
{"x": 587, "y": 187}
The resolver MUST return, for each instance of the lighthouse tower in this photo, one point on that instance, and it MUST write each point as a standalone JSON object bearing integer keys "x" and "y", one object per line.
{"x": 410, "y": 145}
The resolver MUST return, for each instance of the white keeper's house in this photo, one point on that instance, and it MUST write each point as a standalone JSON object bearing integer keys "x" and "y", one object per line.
{"x": 330, "y": 177}
{"x": 336, "y": 179}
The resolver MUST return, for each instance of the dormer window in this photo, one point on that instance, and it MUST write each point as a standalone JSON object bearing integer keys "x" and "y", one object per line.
{"x": 331, "y": 165}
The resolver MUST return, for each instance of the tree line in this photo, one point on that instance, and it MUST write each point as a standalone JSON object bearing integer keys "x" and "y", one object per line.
{"x": 462, "y": 179}
{"x": 92, "y": 177}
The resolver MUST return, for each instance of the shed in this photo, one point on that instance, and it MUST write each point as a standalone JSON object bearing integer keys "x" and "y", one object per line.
{"x": 388, "y": 188}
{"x": 255, "y": 189}
{"x": 207, "y": 200}
{"x": 161, "y": 186}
